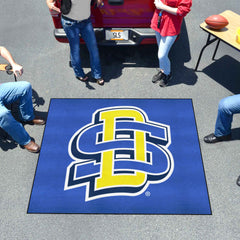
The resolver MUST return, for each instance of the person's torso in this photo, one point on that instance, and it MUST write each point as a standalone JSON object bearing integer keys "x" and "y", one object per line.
{"x": 80, "y": 10}
{"x": 170, "y": 23}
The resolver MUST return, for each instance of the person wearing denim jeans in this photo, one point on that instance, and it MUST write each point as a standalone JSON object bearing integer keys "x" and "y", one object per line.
{"x": 227, "y": 107}
{"x": 17, "y": 91}
{"x": 75, "y": 24}
{"x": 164, "y": 46}
{"x": 166, "y": 22}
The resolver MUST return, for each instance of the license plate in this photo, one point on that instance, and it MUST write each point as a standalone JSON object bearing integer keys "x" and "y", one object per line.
{"x": 117, "y": 35}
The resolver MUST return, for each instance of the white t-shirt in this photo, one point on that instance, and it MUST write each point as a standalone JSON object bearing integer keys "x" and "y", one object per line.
{"x": 80, "y": 10}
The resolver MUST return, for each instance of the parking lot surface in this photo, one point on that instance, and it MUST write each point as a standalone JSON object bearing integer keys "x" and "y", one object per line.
{"x": 27, "y": 32}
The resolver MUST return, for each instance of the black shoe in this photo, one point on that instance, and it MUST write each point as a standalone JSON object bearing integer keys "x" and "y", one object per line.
{"x": 238, "y": 181}
{"x": 157, "y": 77}
{"x": 211, "y": 138}
{"x": 165, "y": 80}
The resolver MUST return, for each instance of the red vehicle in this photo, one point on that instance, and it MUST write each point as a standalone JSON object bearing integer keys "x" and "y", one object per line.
{"x": 117, "y": 22}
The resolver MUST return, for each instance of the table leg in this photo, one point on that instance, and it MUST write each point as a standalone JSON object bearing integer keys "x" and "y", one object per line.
{"x": 213, "y": 57}
{"x": 209, "y": 41}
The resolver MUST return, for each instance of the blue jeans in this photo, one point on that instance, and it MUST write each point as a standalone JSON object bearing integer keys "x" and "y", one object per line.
{"x": 226, "y": 108}
{"x": 9, "y": 93}
{"x": 84, "y": 28}
{"x": 164, "y": 46}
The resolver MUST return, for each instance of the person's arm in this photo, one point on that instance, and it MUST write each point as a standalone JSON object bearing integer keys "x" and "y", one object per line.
{"x": 7, "y": 55}
{"x": 161, "y": 6}
{"x": 51, "y": 6}
{"x": 183, "y": 8}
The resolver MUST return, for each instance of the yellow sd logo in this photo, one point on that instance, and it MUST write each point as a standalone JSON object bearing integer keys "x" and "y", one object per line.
{"x": 119, "y": 153}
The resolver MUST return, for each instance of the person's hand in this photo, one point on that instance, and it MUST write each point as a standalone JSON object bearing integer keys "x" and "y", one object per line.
{"x": 100, "y": 3}
{"x": 17, "y": 69}
{"x": 51, "y": 6}
{"x": 159, "y": 4}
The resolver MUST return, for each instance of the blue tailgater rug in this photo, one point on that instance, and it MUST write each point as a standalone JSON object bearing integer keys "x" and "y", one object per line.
{"x": 120, "y": 156}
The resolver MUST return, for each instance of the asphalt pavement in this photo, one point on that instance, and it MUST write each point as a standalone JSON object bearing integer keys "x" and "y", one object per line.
{"x": 27, "y": 32}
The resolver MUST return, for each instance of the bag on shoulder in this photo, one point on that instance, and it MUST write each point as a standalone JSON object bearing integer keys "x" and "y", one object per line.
{"x": 66, "y": 6}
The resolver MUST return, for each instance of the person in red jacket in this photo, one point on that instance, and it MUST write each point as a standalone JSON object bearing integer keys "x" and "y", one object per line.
{"x": 166, "y": 21}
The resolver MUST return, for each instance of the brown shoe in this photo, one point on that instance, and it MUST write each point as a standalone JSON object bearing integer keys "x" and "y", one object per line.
{"x": 37, "y": 121}
{"x": 32, "y": 147}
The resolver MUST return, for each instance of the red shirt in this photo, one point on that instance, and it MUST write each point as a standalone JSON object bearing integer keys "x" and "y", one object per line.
{"x": 171, "y": 24}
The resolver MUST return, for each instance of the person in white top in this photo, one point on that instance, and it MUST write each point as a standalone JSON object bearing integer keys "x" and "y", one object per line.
{"x": 77, "y": 23}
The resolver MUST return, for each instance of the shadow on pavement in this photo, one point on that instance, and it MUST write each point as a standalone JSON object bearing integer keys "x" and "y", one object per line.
{"x": 225, "y": 71}
{"x": 235, "y": 134}
{"x": 179, "y": 55}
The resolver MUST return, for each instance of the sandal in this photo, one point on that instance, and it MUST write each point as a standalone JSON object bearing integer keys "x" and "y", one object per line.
{"x": 83, "y": 79}
{"x": 100, "y": 81}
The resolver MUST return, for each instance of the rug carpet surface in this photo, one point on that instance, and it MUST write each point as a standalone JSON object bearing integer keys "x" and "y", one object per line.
{"x": 120, "y": 156}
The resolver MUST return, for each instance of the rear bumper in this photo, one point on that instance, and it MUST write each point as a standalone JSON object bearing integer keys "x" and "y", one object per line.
{"x": 137, "y": 36}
